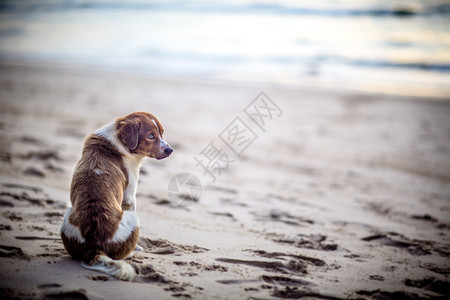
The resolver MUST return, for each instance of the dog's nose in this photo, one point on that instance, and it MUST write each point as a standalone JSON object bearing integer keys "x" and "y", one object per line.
{"x": 168, "y": 151}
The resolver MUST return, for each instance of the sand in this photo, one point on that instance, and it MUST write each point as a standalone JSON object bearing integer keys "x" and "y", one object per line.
{"x": 341, "y": 194}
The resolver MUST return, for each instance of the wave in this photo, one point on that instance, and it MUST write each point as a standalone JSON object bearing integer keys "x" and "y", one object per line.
{"x": 316, "y": 60}
{"x": 219, "y": 7}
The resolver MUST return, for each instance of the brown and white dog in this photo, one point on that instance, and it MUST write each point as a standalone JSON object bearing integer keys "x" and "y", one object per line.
{"x": 101, "y": 228}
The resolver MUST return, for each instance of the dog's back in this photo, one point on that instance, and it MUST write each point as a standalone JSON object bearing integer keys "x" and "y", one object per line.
{"x": 99, "y": 177}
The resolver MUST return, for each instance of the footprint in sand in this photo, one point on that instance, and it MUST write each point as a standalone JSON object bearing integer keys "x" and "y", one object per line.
{"x": 15, "y": 217}
{"x": 430, "y": 284}
{"x": 385, "y": 295}
{"x": 164, "y": 247}
{"x": 276, "y": 215}
{"x": 74, "y": 294}
{"x": 32, "y": 171}
{"x": 291, "y": 266}
{"x": 49, "y": 286}
{"x": 4, "y": 227}
{"x": 296, "y": 293}
{"x": 285, "y": 281}
{"x": 199, "y": 266}
{"x": 416, "y": 247}
{"x": 24, "y": 196}
{"x": 282, "y": 256}
{"x": 5, "y": 156}
{"x": 42, "y": 155}
{"x": 146, "y": 274}
{"x": 312, "y": 241}
{"x": 98, "y": 278}
{"x": 12, "y": 252}
{"x": 439, "y": 269}
{"x": 431, "y": 220}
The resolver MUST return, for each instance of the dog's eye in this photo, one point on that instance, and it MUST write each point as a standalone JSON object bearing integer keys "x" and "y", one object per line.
{"x": 151, "y": 137}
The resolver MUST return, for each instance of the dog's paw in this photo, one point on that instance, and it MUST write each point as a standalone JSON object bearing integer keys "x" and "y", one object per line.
{"x": 124, "y": 271}
{"x": 138, "y": 248}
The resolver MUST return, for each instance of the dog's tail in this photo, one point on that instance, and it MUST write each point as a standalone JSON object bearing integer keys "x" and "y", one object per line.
{"x": 102, "y": 263}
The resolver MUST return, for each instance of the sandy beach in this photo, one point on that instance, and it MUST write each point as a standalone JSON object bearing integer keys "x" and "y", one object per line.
{"x": 340, "y": 195}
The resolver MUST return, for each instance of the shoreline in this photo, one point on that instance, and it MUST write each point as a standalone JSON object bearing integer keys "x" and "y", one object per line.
{"x": 309, "y": 84}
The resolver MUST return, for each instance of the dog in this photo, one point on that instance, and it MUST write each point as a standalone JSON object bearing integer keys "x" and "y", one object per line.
{"x": 102, "y": 227}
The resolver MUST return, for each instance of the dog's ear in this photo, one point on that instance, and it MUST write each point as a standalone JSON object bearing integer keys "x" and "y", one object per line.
{"x": 128, "y": 133}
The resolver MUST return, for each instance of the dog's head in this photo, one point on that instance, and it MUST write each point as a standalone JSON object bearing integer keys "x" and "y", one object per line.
{"x": 142, "y": 134}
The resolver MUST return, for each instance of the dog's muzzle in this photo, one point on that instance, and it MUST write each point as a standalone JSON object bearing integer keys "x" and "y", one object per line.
{"x": 168, "y": 151}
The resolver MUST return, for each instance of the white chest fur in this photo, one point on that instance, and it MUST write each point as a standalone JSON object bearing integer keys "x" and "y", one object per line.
{"x": 132, "y": 166}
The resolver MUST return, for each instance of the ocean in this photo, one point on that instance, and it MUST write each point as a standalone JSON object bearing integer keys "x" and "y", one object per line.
{"x": 397, "y": 47}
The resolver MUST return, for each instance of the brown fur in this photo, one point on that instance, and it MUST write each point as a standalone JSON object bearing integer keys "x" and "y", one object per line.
{"x": 91, "y": 194}
{"x": 99, "y": 182}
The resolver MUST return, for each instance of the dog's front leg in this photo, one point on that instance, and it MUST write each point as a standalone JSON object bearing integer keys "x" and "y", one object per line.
{"x": 129, "y": 202}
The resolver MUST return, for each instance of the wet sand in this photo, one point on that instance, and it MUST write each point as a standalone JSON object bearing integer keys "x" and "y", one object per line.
{"x": 344, "y": 195}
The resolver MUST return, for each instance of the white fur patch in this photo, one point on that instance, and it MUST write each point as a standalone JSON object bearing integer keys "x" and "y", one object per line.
{"x": 117, "y": 268}
{"x": 69, "y": 230}
{"x": 127, "y": 225}
{"x": 163, "y": 143}
{"x": 132, "y": 167}
{"x": 100, "y": 172}
{"x": 154, "y": 122}
{"x": 109, "y": 132}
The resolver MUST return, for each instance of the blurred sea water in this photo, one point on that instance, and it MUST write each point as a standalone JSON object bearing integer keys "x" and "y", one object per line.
{"x": 378, "y": 46}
